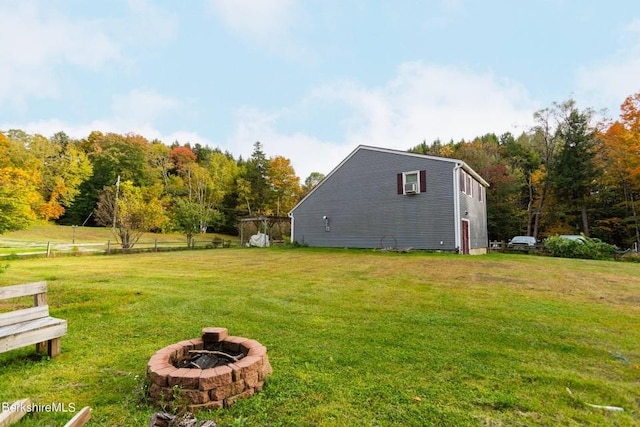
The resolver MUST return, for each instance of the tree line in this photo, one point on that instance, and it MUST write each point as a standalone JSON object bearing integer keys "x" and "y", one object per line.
{"x": 132, "y": 185}
{"x": 568, "y": 174}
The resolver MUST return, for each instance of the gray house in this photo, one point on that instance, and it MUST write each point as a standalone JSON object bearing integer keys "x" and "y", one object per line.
{"x": 382, "y": 198}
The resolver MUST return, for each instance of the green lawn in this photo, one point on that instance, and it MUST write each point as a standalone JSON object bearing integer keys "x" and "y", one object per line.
{"x": 67, "y": 240}
{"x": 43, "y": 232}
{"x": 354, "y": 337}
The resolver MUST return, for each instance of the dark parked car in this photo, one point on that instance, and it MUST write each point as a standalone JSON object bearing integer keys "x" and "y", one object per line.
{"x": 522, "y": 242}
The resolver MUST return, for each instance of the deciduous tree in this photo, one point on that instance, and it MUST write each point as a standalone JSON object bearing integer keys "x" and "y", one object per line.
{"x": 285, "y": 184}
{"x": 126, "y": 210}
{"x": 63, "y": 167}
{"x": 18, "y": 196}
{"x": 311, "y": 182}
{"x": 621, "y": 159}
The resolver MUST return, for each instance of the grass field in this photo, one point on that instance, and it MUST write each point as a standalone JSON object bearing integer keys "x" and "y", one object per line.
{"x": 46, "y": 232}
{"x": 355, "y": 337}
{"x": 66, "y": 240}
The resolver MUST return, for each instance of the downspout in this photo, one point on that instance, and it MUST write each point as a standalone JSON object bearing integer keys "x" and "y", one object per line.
{"x": 290, "y": 215}
{"x": 456, "y": 206}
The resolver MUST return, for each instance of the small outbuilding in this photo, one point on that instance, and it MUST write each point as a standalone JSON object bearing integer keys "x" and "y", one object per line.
{"x": 274, "y": 228}
{"x": 384, "y": 198}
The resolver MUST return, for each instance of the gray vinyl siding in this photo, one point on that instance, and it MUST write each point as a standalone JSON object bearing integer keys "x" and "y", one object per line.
{"x": 364, "y": 210}
{"x": 474, "y": 210}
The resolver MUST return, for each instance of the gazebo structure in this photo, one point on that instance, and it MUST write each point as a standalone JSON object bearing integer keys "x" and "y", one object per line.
{"x": 276, "y": 227}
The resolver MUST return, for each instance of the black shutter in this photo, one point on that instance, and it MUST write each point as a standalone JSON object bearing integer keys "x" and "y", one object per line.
{"x": 423, "y": 181}
{"x": 400, "y": 184}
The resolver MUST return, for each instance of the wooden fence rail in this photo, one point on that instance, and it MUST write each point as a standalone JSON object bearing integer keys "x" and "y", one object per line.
{"x": 52, "y": 249}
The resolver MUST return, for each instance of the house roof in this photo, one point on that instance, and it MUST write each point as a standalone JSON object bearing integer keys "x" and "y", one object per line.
{"x": 457, "y": 162}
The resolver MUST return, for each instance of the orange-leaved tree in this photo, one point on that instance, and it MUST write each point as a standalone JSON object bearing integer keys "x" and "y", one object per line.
{"x": 621, "y": 146}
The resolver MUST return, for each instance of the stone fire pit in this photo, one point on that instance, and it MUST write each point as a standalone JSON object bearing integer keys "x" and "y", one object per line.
{"x": 239, "y": 367}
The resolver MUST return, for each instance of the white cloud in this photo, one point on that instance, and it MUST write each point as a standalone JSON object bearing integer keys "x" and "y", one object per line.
{"x": 48, "y": 128}
{"x": 430, "y": 102}
{"x": 48, "y": 44}
{"x": 146, "y": 23}
{"x": 41, "y": 42}
{"x": 139, "y": 111}
{"x": 41, "y": 35}
{"x": 268, "y": 24}
{"x": 422, "y": 102}
{"x": 607, "y": 83}
{"x": 306, "y": 152}
{"x": 142, "y": 106}
{"x": 256, "y": 18}
{"x": 454, "y": 6}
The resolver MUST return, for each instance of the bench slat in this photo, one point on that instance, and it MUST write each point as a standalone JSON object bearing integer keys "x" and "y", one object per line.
{"x": 16, "y": 291}
{"x": 24, "y": 315}
{"x": 22, "y": 327}
{"x": 81, "y": 418}
{"x": 31, "y": 332}
{"x": 15, "y": 412}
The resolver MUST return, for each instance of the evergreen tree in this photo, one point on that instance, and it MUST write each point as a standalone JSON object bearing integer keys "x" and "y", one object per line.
{"x": 253, "y": 184}
{"x": 574, "y": 171}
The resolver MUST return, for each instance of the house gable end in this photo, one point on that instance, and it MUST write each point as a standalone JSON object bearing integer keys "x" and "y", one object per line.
{"x": 423, "y": 173}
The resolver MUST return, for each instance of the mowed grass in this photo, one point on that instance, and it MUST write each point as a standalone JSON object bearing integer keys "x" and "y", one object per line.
{"x": 44, "y": 232}
{"x": 65, "y": 240}
{"x": 355, "y": 338}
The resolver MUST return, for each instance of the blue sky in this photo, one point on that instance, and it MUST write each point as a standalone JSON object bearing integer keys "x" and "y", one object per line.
{"x": 309, "y": 79}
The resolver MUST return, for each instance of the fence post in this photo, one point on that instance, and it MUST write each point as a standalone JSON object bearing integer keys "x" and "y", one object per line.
{"x": 108, "y": 247}
{"x": 155, "y": 245}
{"x": 48, "y": 249}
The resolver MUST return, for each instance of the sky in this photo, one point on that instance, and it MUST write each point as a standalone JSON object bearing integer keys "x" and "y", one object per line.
{"x": 310, "y": 79}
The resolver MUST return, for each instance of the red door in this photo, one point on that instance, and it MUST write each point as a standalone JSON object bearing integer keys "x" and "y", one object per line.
{"x": 465, "y": 237}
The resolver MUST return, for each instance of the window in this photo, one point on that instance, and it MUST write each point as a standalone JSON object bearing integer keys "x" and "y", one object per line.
{"x": 413, "y": 182}
{"x": 463, "y": 182}
{"x": 466, "y": 183}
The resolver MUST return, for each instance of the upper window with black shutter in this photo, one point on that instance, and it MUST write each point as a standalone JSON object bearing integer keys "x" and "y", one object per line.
{"x": 414, "y": 182}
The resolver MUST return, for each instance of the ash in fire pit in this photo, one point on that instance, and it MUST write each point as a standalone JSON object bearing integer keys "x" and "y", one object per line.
{"x": 209, "y": 372}
{"x": 213, "y": 355}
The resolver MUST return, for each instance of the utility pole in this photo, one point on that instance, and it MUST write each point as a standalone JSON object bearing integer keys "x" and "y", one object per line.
{"x": 115, "y": 204}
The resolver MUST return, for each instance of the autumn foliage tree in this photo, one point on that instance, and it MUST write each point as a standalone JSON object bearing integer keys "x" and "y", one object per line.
{"x": 62, "y": 167}
{"x": 18, "y": 187}
{"x": 284, "y": 184}
{"x": 621, "y": 160}
{"x": 557, "y": 177}
{"x": 18, "y": 195}
{"x": 561, "y": 176}
{"x": 129, "y": 212}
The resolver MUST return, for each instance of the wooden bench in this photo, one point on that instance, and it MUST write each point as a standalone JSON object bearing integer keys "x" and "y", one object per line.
{"x": 33, "y": 325}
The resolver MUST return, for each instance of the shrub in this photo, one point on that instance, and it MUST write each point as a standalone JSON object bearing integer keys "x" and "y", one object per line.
{"x": 631, "y": 257}
{"x": 587, "y": 249}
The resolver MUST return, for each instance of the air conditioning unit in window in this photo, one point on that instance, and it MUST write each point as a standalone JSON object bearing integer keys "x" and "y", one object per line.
{"x": 411, "y": 188}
